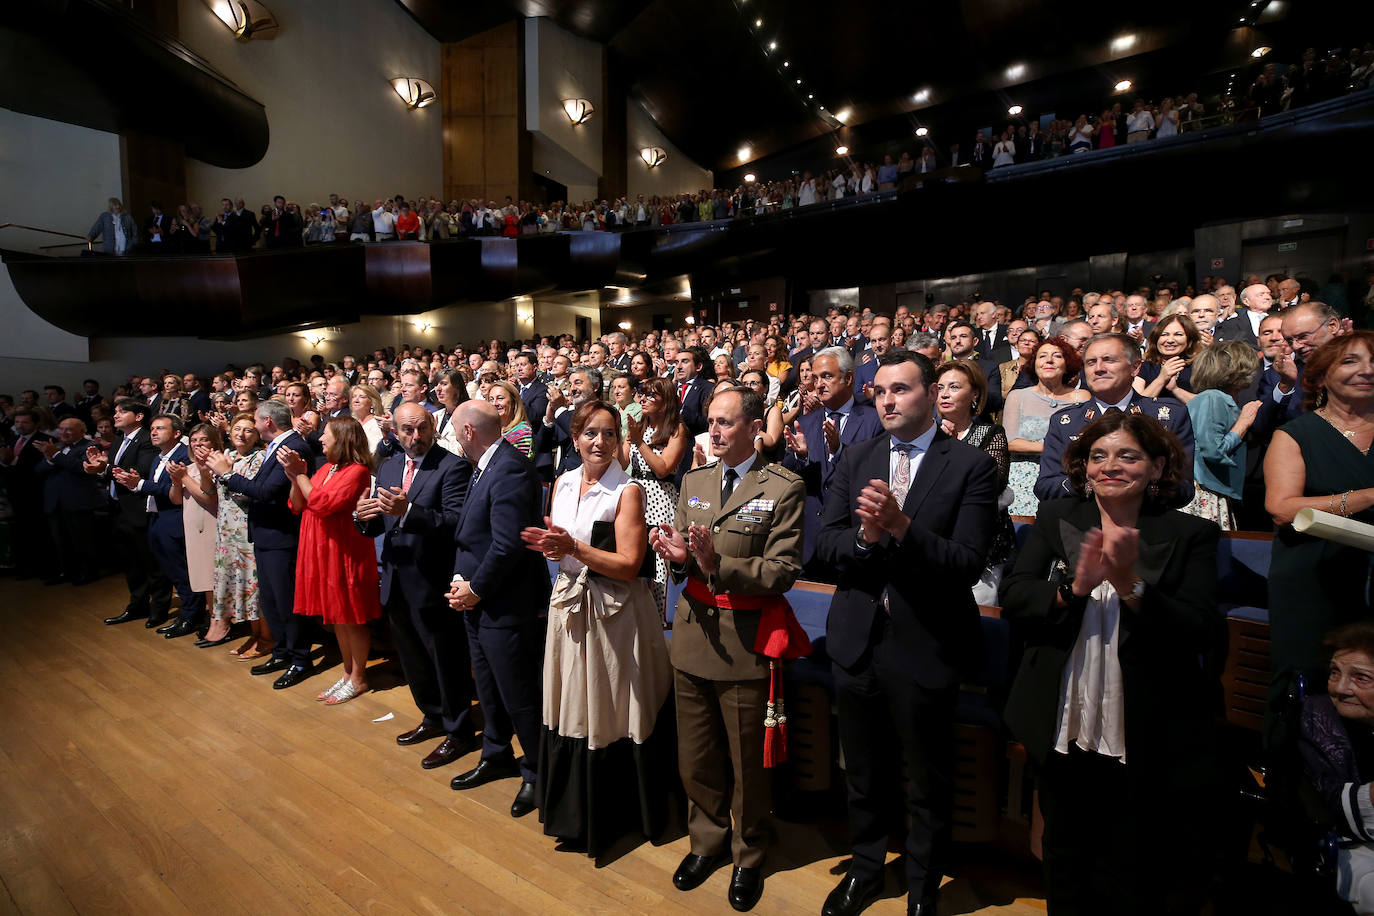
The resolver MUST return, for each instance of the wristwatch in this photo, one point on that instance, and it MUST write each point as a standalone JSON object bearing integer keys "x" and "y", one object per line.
{"x": 1066, "y": 590}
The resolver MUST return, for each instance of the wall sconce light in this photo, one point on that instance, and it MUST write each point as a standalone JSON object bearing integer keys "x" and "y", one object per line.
{"x": 1014, "y": 110}
{"x": 415, "y": 92}
{"x": 653, "y": 156}
{"x": 578, "y": 110}
{"x": 922, "y": 131}
{"x": 247, "y": 19}
{"x": 1260, "y": 52}
{"x": 424, "y": 327}
{"x": 624, "y": 325}
{"x": 1123, "y": 85}
{"x": 841, "y": 151}
{"x": 690, "y": 319}
{"x": 750, "y": 177}
{"x": 314, "y": 339}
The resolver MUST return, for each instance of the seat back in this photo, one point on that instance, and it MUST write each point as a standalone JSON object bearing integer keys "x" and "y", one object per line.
{"x": 1245, "y": 679}
{"x": 1243, "y": 569}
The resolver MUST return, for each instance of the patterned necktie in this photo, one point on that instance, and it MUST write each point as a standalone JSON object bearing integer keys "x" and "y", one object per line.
{"x": 901, "y": 475}
{"x": 729, "y": 487}
{"x": 409, "y": 475}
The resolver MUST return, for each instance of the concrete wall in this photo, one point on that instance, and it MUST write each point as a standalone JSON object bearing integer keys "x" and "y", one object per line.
{"x": 336, "y": 123}
{"x": 677, "y": 175}
{"x": 558, "y": 66}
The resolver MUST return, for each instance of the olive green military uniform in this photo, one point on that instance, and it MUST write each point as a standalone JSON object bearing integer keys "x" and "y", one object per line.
{"x": 720, "y": 682}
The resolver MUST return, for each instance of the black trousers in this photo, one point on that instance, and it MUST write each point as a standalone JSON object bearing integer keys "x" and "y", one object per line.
{"x": 432, "y": 643}
{"x": 885, "y": 716}
{"x": 149, "y": 589}
{"x": 73, "y": 534}
{"x": 507, "y": 664}
{"x": 167, "y": 539}
{"x": 277, "y": 598}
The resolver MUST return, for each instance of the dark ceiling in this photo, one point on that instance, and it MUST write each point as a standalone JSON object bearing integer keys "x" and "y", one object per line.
{"x": 704, "y": 71}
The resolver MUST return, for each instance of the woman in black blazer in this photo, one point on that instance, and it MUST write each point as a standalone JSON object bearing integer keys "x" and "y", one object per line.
{"x": 1114, "y": 598}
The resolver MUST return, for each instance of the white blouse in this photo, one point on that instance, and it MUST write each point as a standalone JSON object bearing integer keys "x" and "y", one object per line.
{"x": 576, "y": 515}
{"x": 1092, "y": 714}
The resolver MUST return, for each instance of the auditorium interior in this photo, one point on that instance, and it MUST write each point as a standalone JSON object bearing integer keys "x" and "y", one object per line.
{"x": 330, "y": 187}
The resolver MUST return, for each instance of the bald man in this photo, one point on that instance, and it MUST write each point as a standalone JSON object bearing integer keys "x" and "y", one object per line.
{"x": 1203, "y": 310}
{"x": 991, "y": 338}
{"x": 1255, "y": 302}
{"x": 502, "y": 590}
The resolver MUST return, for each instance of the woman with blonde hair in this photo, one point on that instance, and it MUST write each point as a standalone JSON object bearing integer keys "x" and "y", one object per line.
{"x": 1220, "y": 372}
{"x": 514, "y": 426}
{"x": 365, "y": 405}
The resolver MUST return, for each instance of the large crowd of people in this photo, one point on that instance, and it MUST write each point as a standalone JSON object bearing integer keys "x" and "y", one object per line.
{"x": 518, "y": 513}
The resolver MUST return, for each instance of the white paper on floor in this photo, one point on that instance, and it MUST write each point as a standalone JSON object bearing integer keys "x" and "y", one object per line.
{"x": 390, "y": 715}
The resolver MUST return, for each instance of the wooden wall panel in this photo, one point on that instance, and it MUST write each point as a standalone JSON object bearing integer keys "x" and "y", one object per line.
{"x": 486, "y": 145}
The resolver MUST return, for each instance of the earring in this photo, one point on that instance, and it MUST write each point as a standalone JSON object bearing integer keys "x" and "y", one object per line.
{"x": 974, "y": 407}
{"x": 1321, "y": 397}
{"x": 1088, "y": 487}
{"x": 1153, "y": 489}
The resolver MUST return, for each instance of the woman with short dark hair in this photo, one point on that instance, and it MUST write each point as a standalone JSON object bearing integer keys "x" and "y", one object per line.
{"x": 1114, "y": 596}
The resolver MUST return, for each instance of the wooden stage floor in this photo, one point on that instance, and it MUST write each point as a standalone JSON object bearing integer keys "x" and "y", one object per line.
{"x": 141, "y": 775}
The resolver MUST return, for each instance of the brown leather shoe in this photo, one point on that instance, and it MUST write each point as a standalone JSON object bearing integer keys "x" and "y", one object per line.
{"x": 422, "y": 732}
{"x": 449, "y": 750}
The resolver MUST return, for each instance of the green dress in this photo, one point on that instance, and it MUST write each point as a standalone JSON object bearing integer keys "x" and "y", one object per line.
{"x": 1316, "y": 585}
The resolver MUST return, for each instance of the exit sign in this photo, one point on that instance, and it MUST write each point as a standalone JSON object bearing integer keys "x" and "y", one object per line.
{"x": 1288, "y": 246}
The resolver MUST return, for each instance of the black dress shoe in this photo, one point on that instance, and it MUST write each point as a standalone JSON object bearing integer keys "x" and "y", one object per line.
{"x": 449, "y": 750}
{"x": 179, "y": 629}
{"x": 167, "y": 628}
{"x": 293, "y": 676}
{"x": 695, "y": 869}
{"x": 271, "y": 666}
{"x": 155, "y": 620}
{"x": 524, "y": 800}
{"x": 125, "y": 616}
{"x": 486, "y": 771}
{"x": 422, "y": 732}
{"x": 746, "y": 887}
{"x": 851, "y": 895}
{"x": 923, "y": 907}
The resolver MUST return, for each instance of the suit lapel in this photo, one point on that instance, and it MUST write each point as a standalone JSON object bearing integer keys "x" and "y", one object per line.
{"x": 746, "y": 488}
{"x": 932, "y": 467}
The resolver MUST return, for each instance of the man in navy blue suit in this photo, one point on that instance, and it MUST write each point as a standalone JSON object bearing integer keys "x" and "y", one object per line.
{"x": 880, "y": 339}
{"x": 502, "y": 589}
{"x": 166, "y": 533}
{"x": 1110, "y": 364}
{"x": 420, "y": 492}
{"x": 692, "y": 389}
{"x": 816, "y": 442}
{"x": 554, "y": 431}
{"x": 534, "y": 394}
{"x": 274, "y": 531}
{"x": 70, "y": 499}
{"x": 907, "y": 525}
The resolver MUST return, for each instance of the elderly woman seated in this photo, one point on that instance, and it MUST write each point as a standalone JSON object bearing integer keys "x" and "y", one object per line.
{"x": 1337, "y": 744}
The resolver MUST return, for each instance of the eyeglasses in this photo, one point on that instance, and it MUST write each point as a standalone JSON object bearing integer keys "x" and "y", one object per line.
{"x": 644, "y": 391}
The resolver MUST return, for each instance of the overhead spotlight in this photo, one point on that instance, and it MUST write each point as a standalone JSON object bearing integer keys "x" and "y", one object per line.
{"x": 843, "y": 115}
{"x": 1016, "y": 71}
{"x": 922, "y": 131}
{"x": 653, "y": 156}
{"x": 750, "y": 177}
{"x": 787, "y": 63}
{"x": 624, "y": 325}
{"x": 416, "y": 93}
{"x": 690, "y": 319}
{"x": 811, "y": 95}
{"x": 798, "y": 82}
{"x": 921, "y": 97}
{"x": 1014, "y": 110}
{"x": 772, "y": 45}
{"x": 1123, "y": 42}
{"x": 745, "y": 153}
{"x": 1260, "y": 52}
{"x": 247, "y": 19}
{"x": 841, "y": 151}
{"x": 758, "y": 23}
{"x": 1124, "y": 85}
{"x": 578, "y": 110}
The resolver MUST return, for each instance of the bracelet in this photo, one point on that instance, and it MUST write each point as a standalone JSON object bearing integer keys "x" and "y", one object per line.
{"x": 1331, "y": 503}
{"x": 574, "y": 548}
{"x": 1344, "y": 496}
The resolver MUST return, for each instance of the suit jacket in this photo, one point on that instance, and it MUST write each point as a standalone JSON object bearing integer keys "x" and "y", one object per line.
{"x": 758, "y": 534}
{"x": 818, "y": 469}
{"x": 227, "y": 232}
{"x": 1000, "y": 351}
{"x": 163, "y": 224}
{"x": 1065, "y": 424}
{"x": 1238, "y": 328}
{"x": 1169, "y": 693}
{"x": 22, "y": 483}
{"x": 66, "y": 485}
{"x": 271, "y": 523}
{"x": 283, "y": 231}
{"x": 556, "y": 436}
{"x": 139, "y": 456}
{"x": 536, "y": 401}
{"x": 694, "y": 405}
{"x": 864, "y": 374}
{"x": 929, "y": 574}
{"x": 511, "y": 580}
{"x": 161, "y": 489}
{"x": 248, "y": 230}
{"x": 316, "y": 446}
{"x": 417, "y": 555}
{"x": 104, "y": 228}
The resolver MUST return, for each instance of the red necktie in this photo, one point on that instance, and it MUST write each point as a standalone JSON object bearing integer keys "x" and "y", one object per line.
{"x": 409, "y": 475}
{"x": 19, "y": 446}
{"x": 682, "y": 390}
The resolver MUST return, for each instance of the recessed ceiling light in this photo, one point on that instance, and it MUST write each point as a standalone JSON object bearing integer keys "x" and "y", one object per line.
{"x": 1123, "y": 42}
{"x": 798, "y": 82}
{"x": 1123, "y": 85}
{"x": 922, "y": 131}
{"x": 744, "y": 153}
{"x": 1260, "y": 52}
{"x": 1016, "y": 71}
{"x": 810, "y": 95}
{"x": 1014, "y": 110}
{"x": 772, "y": 45}
{"x": 921, "y": 97}
{"x": 758, "y": 23}
{"x": 787, "y": 63}
{"x": 841, "y": 151}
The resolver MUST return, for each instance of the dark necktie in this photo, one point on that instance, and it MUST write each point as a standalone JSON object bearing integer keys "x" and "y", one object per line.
{"x": 1112, "y": 409}
{"x": 477, "y": 473}
{"x": 729, "y": 487}
{"x": 834, "y": 417}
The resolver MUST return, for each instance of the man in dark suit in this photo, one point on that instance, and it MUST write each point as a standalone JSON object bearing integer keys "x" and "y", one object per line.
{"x": 420, "y": 492}
{"x": 282, "y": 228}
{"x": 150, "y": 592}
{"x": 166, "y": 533}
{"x": 70, "y": 499}
{"x": 195, "y": 393}
{"x": 157, "y": 230}
{"x": 1135, "y": 321}
{"x": 692, "y": 389}
{"x": 980, "y": 154}
{"x": 880, "y": 340}
{"x": 1276, "y": 408}
{"x": 19, "y": 459}
{"x": 816, "y": 442}
{"x": 908, "y": 524}
{"x": 335, "y": 405}
{"x": 534, "y": 394}
{"x": 992, "y": 342}
{"x": 225, "y": 228}
{"x": 57, "y": 401}
{"x": 503, "y": 589}
{"x": 617, "y": 354}
{"x": 817, "y": 337}
{"x": 962, "y": 338}
{"x": 1255, "y": 301}
{"x": 553, "y": 436}
{"x": 247, "y": 228}
{"x": 1110, "y": 364}
{"x": 274, "y": 531}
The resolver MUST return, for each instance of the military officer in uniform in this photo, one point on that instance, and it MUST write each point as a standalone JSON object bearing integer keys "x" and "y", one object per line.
{"x": 737, "y": 539}
{"x": 1110, "y": 364}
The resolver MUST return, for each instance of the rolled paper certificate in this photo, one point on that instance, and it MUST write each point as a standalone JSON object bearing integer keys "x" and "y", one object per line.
{"x": 1332, "y": 527}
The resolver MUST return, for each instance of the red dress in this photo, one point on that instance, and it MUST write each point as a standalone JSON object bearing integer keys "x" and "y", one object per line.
{"x": 336, "y": 567}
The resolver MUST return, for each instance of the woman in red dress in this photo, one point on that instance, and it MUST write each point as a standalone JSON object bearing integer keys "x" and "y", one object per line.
{"x": 336, "y": 569}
